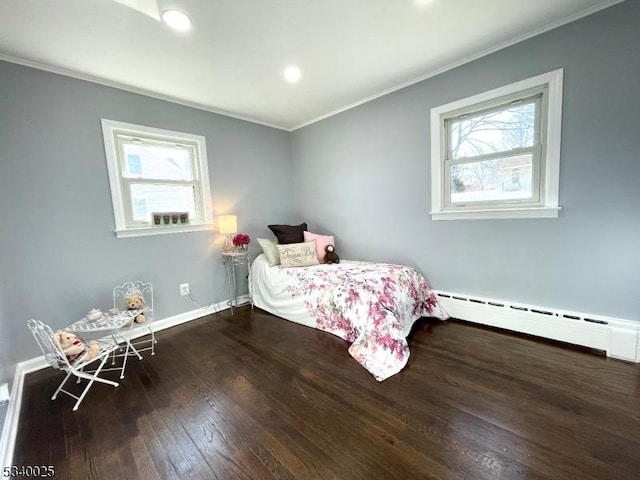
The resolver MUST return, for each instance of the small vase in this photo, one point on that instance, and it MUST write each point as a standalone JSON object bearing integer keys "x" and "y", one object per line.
{"x": 242, "y": 249}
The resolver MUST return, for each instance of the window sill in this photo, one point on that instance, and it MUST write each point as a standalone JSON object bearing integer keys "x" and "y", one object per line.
{"x": 150, "y": 231}
{"x": 532, "y": 212}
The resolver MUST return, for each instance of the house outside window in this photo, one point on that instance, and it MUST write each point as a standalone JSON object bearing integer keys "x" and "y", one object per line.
{"x": 497, "y": 154}
{"x": 154, "y": 171}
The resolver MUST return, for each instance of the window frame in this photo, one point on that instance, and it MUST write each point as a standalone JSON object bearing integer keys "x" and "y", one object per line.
{"x": 545, "y": 165}
{"x": 126, "y": 226}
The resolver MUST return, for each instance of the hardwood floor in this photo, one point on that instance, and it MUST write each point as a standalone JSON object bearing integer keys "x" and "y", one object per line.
{"x": 253, "y": 396}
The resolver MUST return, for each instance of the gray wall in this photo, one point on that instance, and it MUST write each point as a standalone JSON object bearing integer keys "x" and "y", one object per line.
{"x": 58, "y": 253}
{"x": 4, "y": 339}
{"x": 5, "y": 369}
{"x": 364, "y": 175}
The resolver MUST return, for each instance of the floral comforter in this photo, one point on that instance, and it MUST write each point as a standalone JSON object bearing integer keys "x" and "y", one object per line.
{"x": 372, "y": 305}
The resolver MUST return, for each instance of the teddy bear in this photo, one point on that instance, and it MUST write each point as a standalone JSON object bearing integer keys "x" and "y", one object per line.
{"x": 331, "y": 256}
{"x": 74, "y": 348}
{"x": 136, "y": 302}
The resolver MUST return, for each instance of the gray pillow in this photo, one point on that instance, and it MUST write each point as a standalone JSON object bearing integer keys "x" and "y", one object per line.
{"x": 270, "y": 251}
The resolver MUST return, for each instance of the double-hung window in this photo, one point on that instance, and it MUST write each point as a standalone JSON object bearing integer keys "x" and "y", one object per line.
{"x": 496, "y": 155}
{"x": 154, "y": 172}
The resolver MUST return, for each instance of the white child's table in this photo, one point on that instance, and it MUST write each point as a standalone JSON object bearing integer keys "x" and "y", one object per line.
{"x": 117, "y": 324}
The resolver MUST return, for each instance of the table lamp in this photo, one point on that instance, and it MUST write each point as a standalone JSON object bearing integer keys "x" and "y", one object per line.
{"x": 228, "y": 224}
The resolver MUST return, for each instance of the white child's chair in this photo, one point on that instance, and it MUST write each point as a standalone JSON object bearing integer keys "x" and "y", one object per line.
{"x": 145, "y": 290}
{"x": 56, "y": 358}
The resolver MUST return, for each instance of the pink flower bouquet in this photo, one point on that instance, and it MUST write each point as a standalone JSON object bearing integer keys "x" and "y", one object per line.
{"x": 241, "y": 241}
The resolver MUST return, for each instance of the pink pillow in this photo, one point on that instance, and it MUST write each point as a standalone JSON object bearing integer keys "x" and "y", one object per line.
{"x": 321, "y": 242}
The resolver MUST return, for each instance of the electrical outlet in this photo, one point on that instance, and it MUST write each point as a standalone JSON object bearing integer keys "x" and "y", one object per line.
{"x": 184, "y": 289}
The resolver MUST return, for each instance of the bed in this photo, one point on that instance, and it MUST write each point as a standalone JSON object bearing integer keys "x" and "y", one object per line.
{"x": 371, "y": 305}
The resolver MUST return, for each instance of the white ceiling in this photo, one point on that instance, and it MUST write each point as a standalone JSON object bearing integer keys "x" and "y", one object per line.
{"x": 232, "y": 60}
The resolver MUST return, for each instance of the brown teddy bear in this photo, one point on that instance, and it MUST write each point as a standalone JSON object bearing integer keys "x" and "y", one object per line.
{"x": 74, "y": 348}
{"x": 331, "y": 256}
{"x": 135, "y": 302}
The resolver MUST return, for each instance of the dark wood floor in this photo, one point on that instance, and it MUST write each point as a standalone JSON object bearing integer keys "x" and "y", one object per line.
{"x": 254, "y": 396}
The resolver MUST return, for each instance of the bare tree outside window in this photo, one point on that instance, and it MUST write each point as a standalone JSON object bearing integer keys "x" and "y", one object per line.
{"x": 487, "y": 147}
{"x": 496, "y": 154}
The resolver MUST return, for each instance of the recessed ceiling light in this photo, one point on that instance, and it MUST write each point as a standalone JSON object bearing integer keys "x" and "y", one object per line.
{"x": 292, "y": 74}
{"x": 176, "y": 20}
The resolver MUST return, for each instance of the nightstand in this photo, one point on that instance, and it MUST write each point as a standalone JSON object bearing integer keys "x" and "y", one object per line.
{"x": 231, "y": 260}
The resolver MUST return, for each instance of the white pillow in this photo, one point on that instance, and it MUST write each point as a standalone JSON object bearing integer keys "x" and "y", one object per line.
{"x": 270, "y": 251}
{"x": 298, "y": 254}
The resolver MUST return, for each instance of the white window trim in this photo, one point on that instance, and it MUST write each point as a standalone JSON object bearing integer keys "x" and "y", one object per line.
{"x": 553, "y": 81}
{"x": 109, "y": 129}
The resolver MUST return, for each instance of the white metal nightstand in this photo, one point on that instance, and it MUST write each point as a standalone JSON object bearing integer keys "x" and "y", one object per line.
{"x": 231, "y": 260}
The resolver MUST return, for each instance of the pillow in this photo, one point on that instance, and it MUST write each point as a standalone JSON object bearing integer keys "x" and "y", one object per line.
{"x": 298, "y": 254}
{"x": 288, "y": 233}
{"x": 270, "y": 251}
{"x": 321, "y": 242}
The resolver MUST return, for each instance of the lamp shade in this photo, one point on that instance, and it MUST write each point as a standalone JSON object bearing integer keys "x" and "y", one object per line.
{"x": 227, "y": 224}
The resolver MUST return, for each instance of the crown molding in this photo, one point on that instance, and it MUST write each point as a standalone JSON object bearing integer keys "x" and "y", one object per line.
{"x": 131, "y": 89}
{"x": 199, "y": 106}
{"x": 451, "y": 66}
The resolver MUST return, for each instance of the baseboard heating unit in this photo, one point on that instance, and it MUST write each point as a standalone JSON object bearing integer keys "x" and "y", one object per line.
{"x": 619, "y": 338}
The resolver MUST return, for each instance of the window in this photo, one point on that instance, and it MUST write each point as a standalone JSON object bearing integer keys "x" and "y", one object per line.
{"x": 497, "y": 154}
{"x": 154, "y": 171}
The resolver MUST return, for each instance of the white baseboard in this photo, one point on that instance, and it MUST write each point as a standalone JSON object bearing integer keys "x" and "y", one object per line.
{"x": 10, "y": 429}
{"x": 619, "y": 338}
